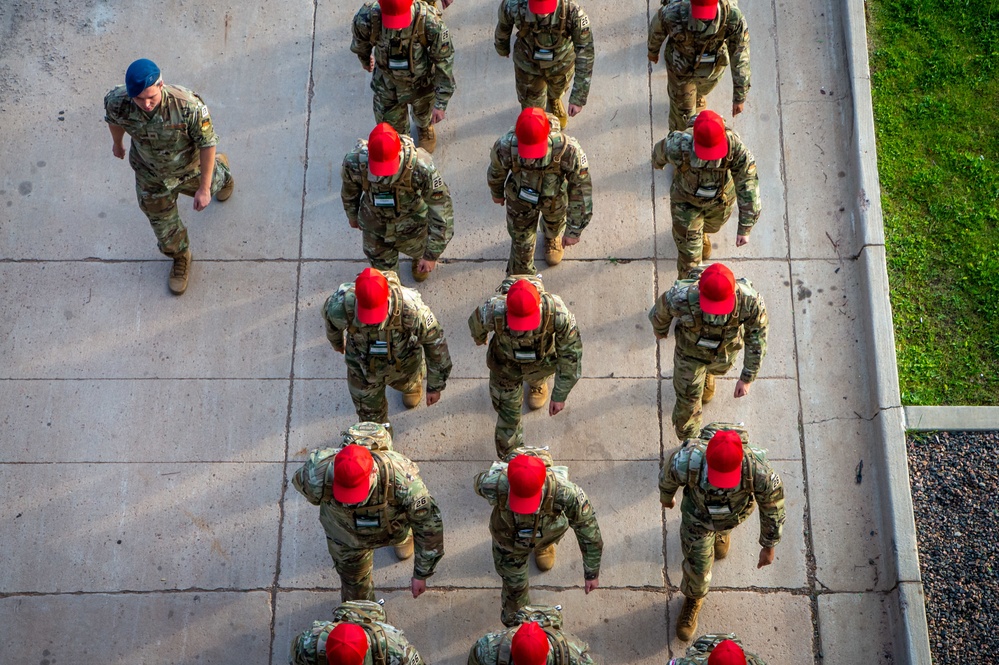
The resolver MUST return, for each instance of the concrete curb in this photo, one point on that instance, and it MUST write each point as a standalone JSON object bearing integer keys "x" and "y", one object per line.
{"x": 907, "y": 611}
{"x": 952, "y": 418}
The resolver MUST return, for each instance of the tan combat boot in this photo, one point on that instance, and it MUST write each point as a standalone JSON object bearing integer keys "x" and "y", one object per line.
{"x": 722, "y": 543}
{"x": 558, "y": 108}
{"x": 404, "y": 550}
{"x": 412, "y": 399}
{"x": 226, "y": 191}
{"x": 545, "y": 558}
{"x": 538, "y": 396}
{"x": 709, "y": 389}
{"x": 428, "y": 138}
{"x": 554, "y": 251}
{"x": 417, "y": 275}
{"x": 687, "y": 623}
{"x": 180, "y": 273}
{"x": 706, "y": 251}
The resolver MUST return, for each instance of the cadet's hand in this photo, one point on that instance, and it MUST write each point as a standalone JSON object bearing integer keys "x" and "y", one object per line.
{"x": 574, "y": 109}
{"x": 371, "y": 63}
{"x": 590, "y": 585}
{"x": 658, "y": 336}
{"x": 446, "y": 3}
{"x": 433, "y": 396}
{"x": 766, "y": 557}
{"x": 498, "y": 202}
{"x": 741, "y": 388}
{"x": 741, "y": 240}
{"x": 202, "y": 198}
{"x": 569, "y": 242}
{"x": 555, "y": 407}
{"x": 426, "y": 265}
{"x": 672, "y": 502}
{"x": 437, "y": 116}
{"x": 353, "y": 224}
{"x": 654, "y": 58}
{"x": 417, "y": 587}
{"x": 118, "y": 150}
{"x": 478, "y": 343}
{"x": 340, "y": 351}
{"x": 737, "y": 107}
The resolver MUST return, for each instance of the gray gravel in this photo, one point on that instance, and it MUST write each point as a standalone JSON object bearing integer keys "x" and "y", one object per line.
{"x": 955, "y": 494}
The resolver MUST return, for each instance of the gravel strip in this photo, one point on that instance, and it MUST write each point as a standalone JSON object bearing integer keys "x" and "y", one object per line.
{"x": 955, "y": 496}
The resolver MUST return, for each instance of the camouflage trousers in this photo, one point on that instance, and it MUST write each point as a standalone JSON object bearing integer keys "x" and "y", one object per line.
{"x": 697, "y": 542}
{"x": 522, "y": 225}
{"x": 691, "y": 223}
{"x": 393, "y": 99}
{"x": 543, "y": 91}
{"x": 512, "y": 565}
{"x": 686, "y": 98}
{"x": 367, "y": 388}
{"x": 383, "y": 253}
{"x": 158, "y": 201}
{"x": 689, "y": 375}
{"x": 354, "y": 567}
{"x": 506, "y": 392}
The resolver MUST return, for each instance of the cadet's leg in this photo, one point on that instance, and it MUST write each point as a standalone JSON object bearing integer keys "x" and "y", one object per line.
{"x": 506, "y": 391}
{"x": 160, "y": 207}
{"x": 531, "y": 89}
{"x": 354, "y": 567}
{"x": 698, "y": 547}
{"x": 682, "y": 101}
{"x": 716, "y": 216}
{"x": 688, "y": 233}
{"x": 512, "y": 568}
{"x": 387, "y": 106}
{"x": 558, "y": 83}
{"x": 423, "y": 107}
{"x": 522, "y": 224}
{"x": 367, "y": 393}
{"x": 703, "y": 86}
{"x": 409, "y": 378}
{"x": 688, "y": 384}
{"x": 381, "y": 255}
{"x": 554, "y": 220}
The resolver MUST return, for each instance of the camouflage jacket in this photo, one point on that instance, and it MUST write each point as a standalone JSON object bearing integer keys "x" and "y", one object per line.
{"x": 555, "y": 342}
{"x": 562, "y": 175}
{"x": 704, "y": 184}
{"x": 409, "y": 327}
{"x": 700, "y": 650}
{"x": 563, "y": 506}
{"x": 166, "y": 142}
{"x": 554, "y": 41}
{"x": 390, "y": 646}
{"x": 414, "y": 201}
{"x": 695, "y": 49}
{"x": 722, "y": 509}
{"x": 710, "y": 337}
{"x": 565, "y": 649}
{"x": 398, "y": 498}
{"x": 418, "y": 56}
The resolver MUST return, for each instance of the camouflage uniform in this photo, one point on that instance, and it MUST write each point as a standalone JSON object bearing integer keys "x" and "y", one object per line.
{"x": 548, "y": 51}
{"x": 413, "y": 66}
{"x": 563, "y": 506}
{"x": 696, "y": 333}
{"x": 388, "y": 645}
{"x": 698, "y": 652}
{"x": 397, "y": 352}
{"x": 165, "y": 155}
{"x": 703, "y": 194}
{"x": 697, "y": 53}
{"x": 398, "y": 505}
{"x": 707, "y": 511}
{"x": 555, "y": 348}
{"x": 557, "y": 186}
{"x": 565, "y": 649}
{"x": 410, "y": 211}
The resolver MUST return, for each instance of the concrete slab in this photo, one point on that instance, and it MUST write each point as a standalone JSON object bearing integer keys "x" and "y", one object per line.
{"x": 951, "y": 418}
{"x": 119, "y": 321}
{"x": 854, "y": 629}
{"x": 187, "y": 627}
{"x": 812, "y": 51}
{"x": 138, "y": 527}
{"x": 243, "y": 420}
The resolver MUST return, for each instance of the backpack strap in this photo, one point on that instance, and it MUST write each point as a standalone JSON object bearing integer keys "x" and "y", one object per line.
{"x": 386, "y": 480}
{"x": 406, "y": 177}
{"x": 379, "y": 643}
{"x": 559, "y": 644}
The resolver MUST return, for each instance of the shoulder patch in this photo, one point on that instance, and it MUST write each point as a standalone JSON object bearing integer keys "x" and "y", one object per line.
{"x": 421, "y": 502}
{"x": 438, "y": 181}
{"x": 431, "y": 320}
{"x": 445, "y": 35}
{"x": 584, "y": 21}
{"x": 584, "y": 163}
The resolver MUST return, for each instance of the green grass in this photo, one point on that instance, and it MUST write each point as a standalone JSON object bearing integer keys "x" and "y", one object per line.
{"x": 935, "y": 78}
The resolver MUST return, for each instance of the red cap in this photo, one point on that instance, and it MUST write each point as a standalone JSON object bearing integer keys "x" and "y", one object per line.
{"x": 710, "y": 142}
{"x": 347, "y": 644}
{"x": 352, "y": 474}
{"x": 724, "y": 457}
{"x": 371, "y": 291}
{"x": 704, "y": 10}
{"x": 529, "y": 645}
{"x": 717, "y": 289}
{"x": 523, "y": 306}
{"x": 727, "y": 652}
{"x": 542, "y": 7}
{"x": 384, "y": 147}
{"x": 532, "y": 133}
{"x": 396, "y": 14}
{"x": 526, "y": 475}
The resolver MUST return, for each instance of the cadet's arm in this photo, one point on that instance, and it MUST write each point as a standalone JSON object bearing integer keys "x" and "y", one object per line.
{"x": 661, "y": 316}
{"x": 360, "y": 44}
{"x": 569, "y": 351}
{"x": 350, "y": 194}
{"x": 473, "y": 655}
{"x": 437, "y": 355}
{"x": 117, "y": 140}
{"x": 333, "y": 315}
{"x": 738, "y": 48}
{"x": 428, "y": 531}
{"x": 440, "y": 228}
{"x": 657, "y": 35}
{"x": 756, "y": 341}
{"x": 747, "y": 189}
{"x": 583, "y": 521}
{"x": 504, "y": 30}
{"x": 207, "y": 164}
{"x": 770, "y": 497}
{"x": 582, "y": 40}
{"x": 668, "y": 484}
{"x": 496, "y": 173}
{"x": 580, "y": 198}
{"x": 442, "y": 54}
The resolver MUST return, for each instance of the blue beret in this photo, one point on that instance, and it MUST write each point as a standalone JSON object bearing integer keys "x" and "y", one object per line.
{"x": 140, "y": 75}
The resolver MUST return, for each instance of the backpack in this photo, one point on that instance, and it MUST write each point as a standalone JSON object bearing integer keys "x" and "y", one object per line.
{"x": 704, "y": 644}
{"x": 550, "y": 621}
{"x": 363, "y": 612}
{"x": 315, "y": 478}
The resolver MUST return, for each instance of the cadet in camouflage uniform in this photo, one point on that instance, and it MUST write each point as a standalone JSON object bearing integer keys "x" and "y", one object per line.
{"x": 717, "y": 649}
{"x": 715, "y": 314}
{"x": 172, "y": 152}
{"x": 553, "y": 43}
{"x": 408, "y": 48}
{"x": 534, "y": 504}
{"x": 369, "y": 499}
{"x": 389, "y": 337}
{"x": 534, "y": 336}
{"x": 534, "y": 638}
{"x": 723, "y": 477}
{"x": 536, "y": 169}
{"x": 714, "y": 169}
{"x": 358, "y": 634}
{"x": 393, "y": 192}
{"x": 700, "y": 36}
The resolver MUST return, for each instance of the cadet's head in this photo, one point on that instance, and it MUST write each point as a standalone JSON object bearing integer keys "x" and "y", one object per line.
{"x": 143, "y": 84}
{"x": 710, "y": 142}
{"x": 523, "y": 306}
{"x": 372, "y": 293}
{"x": 532, "y": 133}
{"x": 526, "y": 475}
{"x": 352, "y": 474}
{"x": 704, "y": 10}
{"x": 542, "y": 7}
{"x": 384, "y": 149}
{"x": 727, "y": 652}
{"x": 724, "y": 457}
{"x": 717, "y": 290}
{"x": 396, "y": 14}
{"x": 529, "y": 645}
{"x": 347, "y": 644}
